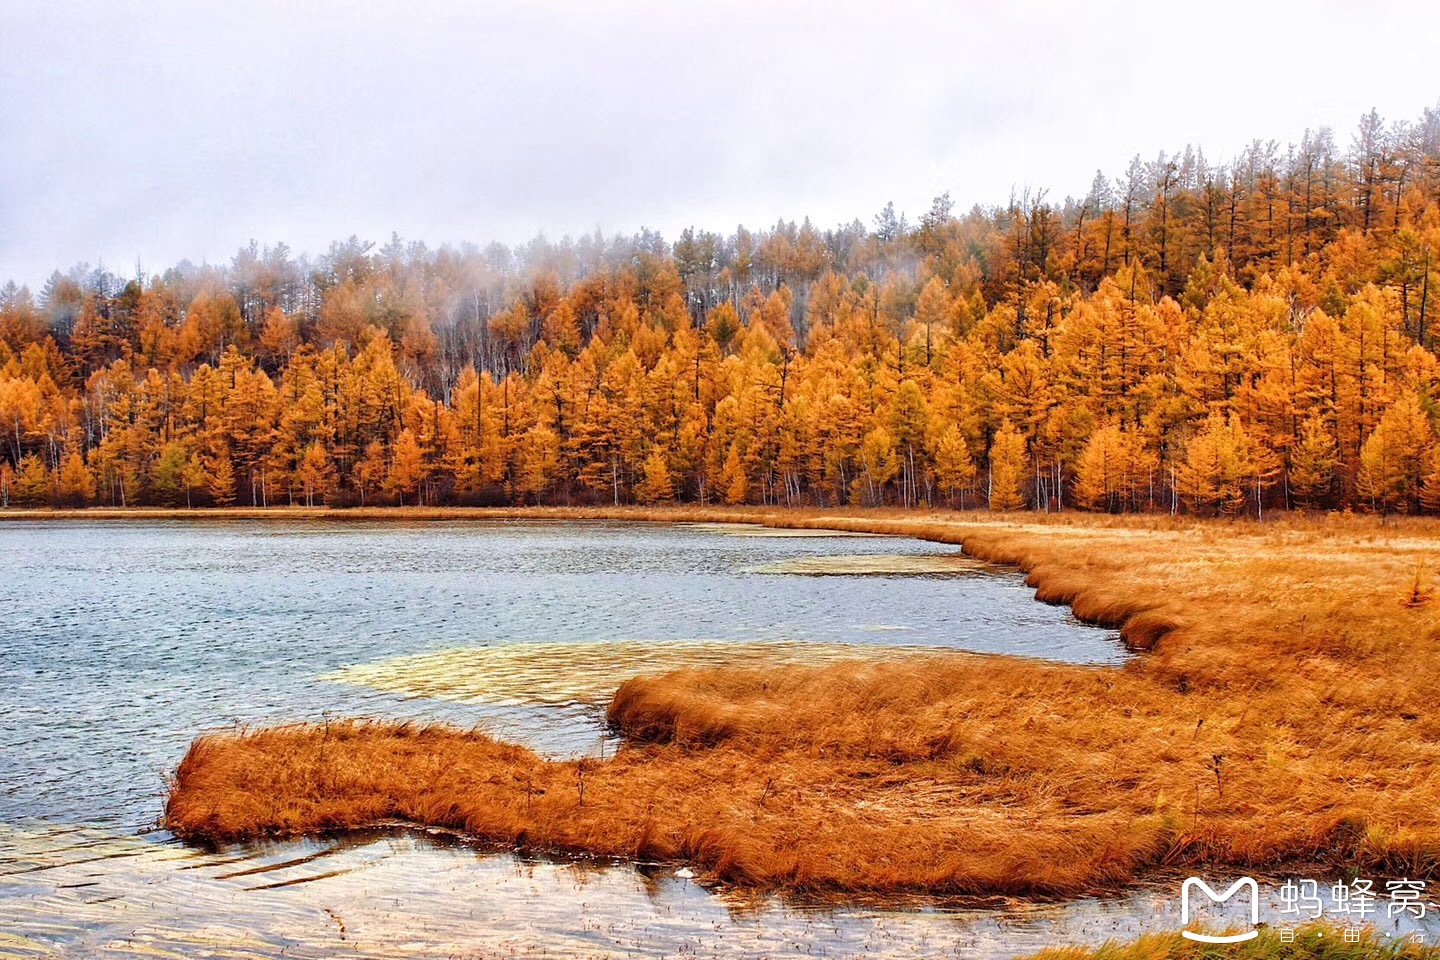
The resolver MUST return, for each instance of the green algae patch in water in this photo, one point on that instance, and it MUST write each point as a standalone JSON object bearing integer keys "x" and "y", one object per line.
{"x": 582, "y": 673}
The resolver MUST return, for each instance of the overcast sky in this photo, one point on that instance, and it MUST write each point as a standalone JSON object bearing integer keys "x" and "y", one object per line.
{"x": 155, "y": 131}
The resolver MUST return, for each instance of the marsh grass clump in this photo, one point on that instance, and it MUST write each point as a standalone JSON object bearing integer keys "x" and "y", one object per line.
{"x": 1282, "y": 714}
{"x": 1420, "y": 591}
{"x": 318, "y": 778}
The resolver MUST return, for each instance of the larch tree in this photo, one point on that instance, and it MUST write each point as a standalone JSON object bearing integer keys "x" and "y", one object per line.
{"x": 219, "y": 478}
{"x": 173, "y": 474}
{"x": 1009, "y": 469}
{"x": 76, "y": 482}
{"x": 1430, "y": 485}
{"x": 932, "y": 312}
{"x": 954, "y": 466}
{"x": 1312, "y": 463}
{"x": 879, "y": 463}
{"x": 734, "y": 481}
{"x": 316, "y": 473}
{"x": 1107, "y": 470}
{"x": 539, "y": 459}
{"x": 370, "y": 471}
{"x": 407, "y": 467}
{"x": 1395, "y": 457}
{"x": 657, "y": 485}
{"x": 1224, "y": 467}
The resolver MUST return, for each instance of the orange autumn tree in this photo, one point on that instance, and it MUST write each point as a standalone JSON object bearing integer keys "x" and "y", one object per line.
{"x": 1009, "y": 469}
{"x": 657, "y": 485}
{"x": 1224, "y": 467}
{"x": 1394, "y": 459}
{"x": 954, "y": 467}
{"x": 1313, "y": 462}
{"x": 407, "y": 468}
{"x": 1132, "y": 350}
{"x": 1115, "y": 470}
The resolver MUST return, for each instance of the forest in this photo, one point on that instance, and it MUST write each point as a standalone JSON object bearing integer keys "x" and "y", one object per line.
{"x": 1219, "y": 339}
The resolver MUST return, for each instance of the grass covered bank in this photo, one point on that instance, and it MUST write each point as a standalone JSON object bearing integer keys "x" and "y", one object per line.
{"x": 1314, "y": 943}
{"x": 1283, "y": 715}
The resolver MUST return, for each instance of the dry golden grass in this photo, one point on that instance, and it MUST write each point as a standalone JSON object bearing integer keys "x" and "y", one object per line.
{"x": 1312, "y": 943}
{"x": 1284, "y": 715}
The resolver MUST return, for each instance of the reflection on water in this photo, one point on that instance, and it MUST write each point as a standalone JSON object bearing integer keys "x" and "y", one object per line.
{"x": 123, "y": 639}
{"x": 565, "y": 674}
{"x": 85, "y": 893}
{"x": 754, "y": 530}
{"x": 874, "y": 564}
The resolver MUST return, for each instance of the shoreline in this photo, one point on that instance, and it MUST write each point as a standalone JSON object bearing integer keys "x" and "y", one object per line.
{"x": 769, "y": 516}
{"x": 813, "y": 779}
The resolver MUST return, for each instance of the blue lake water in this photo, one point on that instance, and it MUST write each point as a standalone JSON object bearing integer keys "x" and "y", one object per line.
{"x": 120, "y": 640}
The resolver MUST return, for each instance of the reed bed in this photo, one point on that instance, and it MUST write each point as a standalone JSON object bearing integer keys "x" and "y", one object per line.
{"x": 1282, "y": 716}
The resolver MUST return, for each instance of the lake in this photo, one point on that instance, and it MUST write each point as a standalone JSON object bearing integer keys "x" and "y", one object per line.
{"x": 123, "y": 639}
